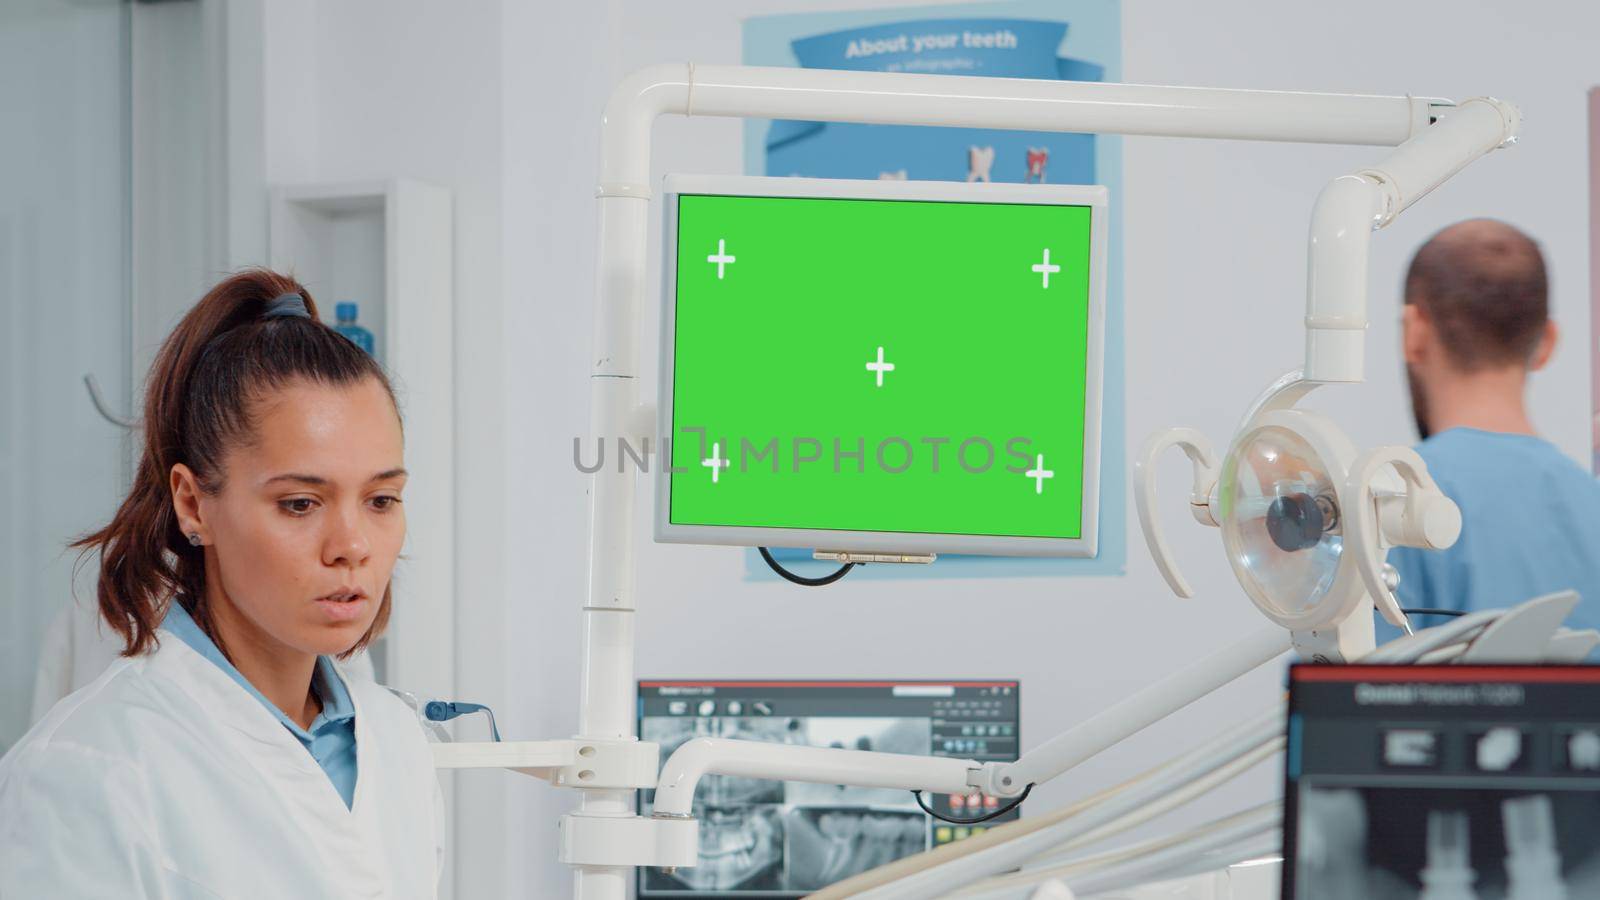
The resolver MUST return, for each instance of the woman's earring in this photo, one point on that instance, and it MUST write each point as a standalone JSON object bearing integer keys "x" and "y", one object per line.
{"x": 194, "y": 539}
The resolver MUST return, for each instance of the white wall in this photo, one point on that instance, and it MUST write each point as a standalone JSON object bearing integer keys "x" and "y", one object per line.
{"x": 556, "y": 82}
{"x": 366, "y": 89}
{"x": 64, "y": 288}
{"x": 1215, "y": 290}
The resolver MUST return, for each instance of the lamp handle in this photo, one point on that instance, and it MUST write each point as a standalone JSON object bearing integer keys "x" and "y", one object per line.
{"x": 1198, "y": 449}
{"x": 1423, "y": 517}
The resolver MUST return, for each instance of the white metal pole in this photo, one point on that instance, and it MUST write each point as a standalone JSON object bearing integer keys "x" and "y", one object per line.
{"x": 606, "y": 690}
{"x": 1351, "y": 207}
{"x": 1347, "y": 211}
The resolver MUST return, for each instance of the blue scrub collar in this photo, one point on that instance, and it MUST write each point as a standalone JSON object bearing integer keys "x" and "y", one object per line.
{"x": 336, "y": 703}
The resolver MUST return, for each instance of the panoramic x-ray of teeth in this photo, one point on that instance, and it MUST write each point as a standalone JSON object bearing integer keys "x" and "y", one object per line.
{"x": 791, "y": 837}
{"x": 740, "y": 848}
{"x": 826, "y": 845}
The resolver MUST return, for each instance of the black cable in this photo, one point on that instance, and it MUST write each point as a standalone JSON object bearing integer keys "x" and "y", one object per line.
{"x": 1429, "y": 611}
{"x": 981, "y": 819}
{"x": 801, "y": 579}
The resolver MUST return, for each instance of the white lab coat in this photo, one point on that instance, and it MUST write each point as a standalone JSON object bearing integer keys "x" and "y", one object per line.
{"x": 165, "y": 779}
{"x": 79, "y": 645}
{"x": 76, "y": 648}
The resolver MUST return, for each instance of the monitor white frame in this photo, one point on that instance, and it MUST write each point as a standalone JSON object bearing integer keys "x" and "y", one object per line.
{"x": 1094, "y": 196}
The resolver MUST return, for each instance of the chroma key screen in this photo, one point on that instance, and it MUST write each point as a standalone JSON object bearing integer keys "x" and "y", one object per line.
{"x": 881, "y": 365}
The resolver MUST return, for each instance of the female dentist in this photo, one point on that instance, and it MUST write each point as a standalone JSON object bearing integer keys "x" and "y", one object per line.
{"x": 226, "y": 754}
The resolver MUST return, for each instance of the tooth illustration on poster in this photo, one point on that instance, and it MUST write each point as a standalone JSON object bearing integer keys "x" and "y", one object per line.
{"x": 979, "y": 161}
{"x": 1038, "y": 158}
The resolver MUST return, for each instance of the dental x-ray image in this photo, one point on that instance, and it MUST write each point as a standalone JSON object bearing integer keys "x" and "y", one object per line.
{"x": 741, "y": 850}
{"x": 830, "y": 844}
{"x": 1369, "y": 843}
{"x": 760, "y": 837}
{"x": 775, "y": 839}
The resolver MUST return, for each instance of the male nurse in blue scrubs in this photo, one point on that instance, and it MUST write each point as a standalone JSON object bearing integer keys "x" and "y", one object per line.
{"x": 1476, "y": 325}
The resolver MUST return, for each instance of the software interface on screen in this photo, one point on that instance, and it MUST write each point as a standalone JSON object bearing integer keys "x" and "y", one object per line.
{"x": 783, "y": 839}
{"x": 1478, "y": 782}
{"x": 880, "y": 365}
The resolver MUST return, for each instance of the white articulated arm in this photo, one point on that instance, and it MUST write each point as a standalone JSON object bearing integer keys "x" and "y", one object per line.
{"x": 978, "y": 102}
{"x": 1434, "y": 156}
{"x": 1347, "y": 211}
{"x": 820, "y": 765}
{"x": 1353, "y": 206}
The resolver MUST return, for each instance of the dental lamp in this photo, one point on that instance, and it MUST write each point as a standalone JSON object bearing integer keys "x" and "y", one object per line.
{"x": 1305, "y": 519}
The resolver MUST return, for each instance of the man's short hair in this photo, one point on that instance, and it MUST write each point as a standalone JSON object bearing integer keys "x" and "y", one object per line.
{"x": 1482, "y": 284}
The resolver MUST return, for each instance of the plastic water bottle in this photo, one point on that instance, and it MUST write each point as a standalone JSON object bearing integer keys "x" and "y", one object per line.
{"x": 346, "y": 314}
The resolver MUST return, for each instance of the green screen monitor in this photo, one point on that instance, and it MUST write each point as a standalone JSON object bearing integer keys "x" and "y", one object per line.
{"x": 882, "y": 366}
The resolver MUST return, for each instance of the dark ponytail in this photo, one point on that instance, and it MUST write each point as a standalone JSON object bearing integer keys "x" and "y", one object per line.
{"x": 222, "y": 357}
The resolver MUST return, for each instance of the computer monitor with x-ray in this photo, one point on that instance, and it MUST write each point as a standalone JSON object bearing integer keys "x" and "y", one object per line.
{"x": 777, "y": 839}
{"x": 1450, "y": 781}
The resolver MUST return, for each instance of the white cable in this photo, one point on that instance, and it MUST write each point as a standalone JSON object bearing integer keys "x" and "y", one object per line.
{"x": 1413, "y": 652}
{"x": 1013, "y": 854}
{"x": 951, "y": 858}
{"x": 1136, "y": 712}
{"x": 1183, "y": 861}
{"x": 1262, "y": 846}
{"x": 1443, "y": 654}
{"x": 1143, "y": 862}
{"x": 1162, "y": 806}
{"x": 1186, "y": 777}
{"x": 1266, "y": 815}
{"x": 1409, "y": 648}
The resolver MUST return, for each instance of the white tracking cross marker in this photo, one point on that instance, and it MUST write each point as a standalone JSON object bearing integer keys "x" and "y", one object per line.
{"x": 715, "y": 463}
{"x": 1045, "y": 268}
{"x": 721, "y": 257}
{"x": 880, "y": 367}
{"x": 1039, "y": 474}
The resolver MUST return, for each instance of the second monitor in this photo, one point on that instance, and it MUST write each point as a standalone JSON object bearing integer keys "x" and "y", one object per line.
{"x": 785, "y": 839}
